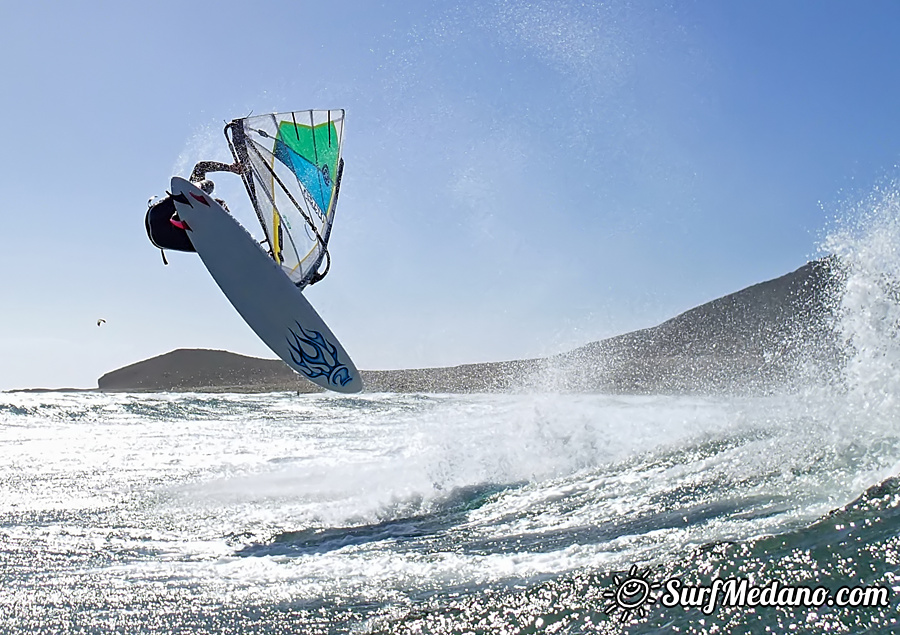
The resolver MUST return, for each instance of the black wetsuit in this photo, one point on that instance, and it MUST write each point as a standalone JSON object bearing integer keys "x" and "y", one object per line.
{"x": 162, "y": 233}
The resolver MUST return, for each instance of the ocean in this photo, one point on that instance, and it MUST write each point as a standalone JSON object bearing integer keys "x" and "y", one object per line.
{"x": 382, "y": 513}
{"x": 530, "y": 512}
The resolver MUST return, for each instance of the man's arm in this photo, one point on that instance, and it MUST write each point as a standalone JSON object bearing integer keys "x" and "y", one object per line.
{"x": 203, "y": 167}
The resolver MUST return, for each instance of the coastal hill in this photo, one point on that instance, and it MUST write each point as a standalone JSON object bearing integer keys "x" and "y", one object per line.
{"x": 759, "y": 337}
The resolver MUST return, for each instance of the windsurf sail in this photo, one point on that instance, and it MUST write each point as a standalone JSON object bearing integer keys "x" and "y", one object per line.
{"x": 291, "y": 166}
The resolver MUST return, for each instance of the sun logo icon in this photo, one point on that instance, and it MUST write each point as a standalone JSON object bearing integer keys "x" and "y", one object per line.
{"x": 632, "y": 594}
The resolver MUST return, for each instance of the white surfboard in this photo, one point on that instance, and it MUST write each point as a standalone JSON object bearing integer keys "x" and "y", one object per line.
{"x": 262, "y": 293}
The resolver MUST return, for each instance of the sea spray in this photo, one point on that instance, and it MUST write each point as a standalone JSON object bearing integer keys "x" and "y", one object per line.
{"x": 868, "y": 249}
{"x": 318, "y": 513}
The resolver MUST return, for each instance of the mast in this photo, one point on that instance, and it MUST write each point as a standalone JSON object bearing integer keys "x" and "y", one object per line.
{"x": 237, "y": 142}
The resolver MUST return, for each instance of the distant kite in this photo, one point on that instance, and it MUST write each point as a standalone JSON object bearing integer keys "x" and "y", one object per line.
{"x": 101, "y": 321}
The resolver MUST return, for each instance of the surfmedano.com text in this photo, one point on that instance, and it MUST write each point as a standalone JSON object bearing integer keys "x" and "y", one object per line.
{"x": 739, "y": 592}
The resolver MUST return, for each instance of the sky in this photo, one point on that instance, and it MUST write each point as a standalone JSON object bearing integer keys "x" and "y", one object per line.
{"x": 521, "y": 177}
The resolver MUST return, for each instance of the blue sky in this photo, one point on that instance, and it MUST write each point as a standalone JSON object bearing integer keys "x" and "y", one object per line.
{"x": 521, "y": 177}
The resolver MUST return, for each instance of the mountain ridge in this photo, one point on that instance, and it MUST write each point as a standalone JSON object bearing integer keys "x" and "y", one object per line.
{"x": 755, "y": 338}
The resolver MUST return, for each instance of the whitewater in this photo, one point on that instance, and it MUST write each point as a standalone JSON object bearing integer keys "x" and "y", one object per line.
{"x": 493, "y": 513}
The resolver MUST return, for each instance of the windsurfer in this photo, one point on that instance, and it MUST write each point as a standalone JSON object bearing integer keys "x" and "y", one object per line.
{"x": 165, "y": 229}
